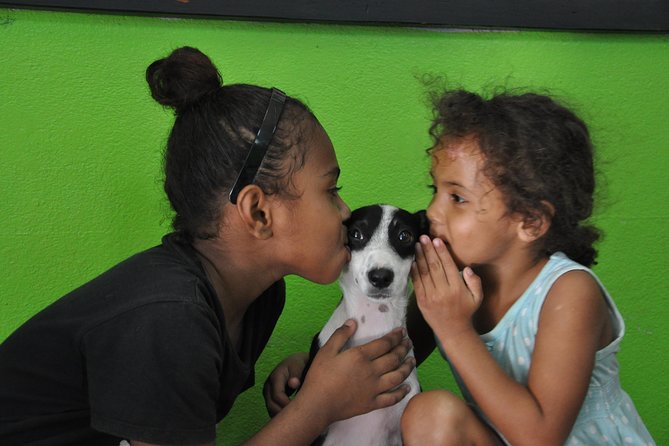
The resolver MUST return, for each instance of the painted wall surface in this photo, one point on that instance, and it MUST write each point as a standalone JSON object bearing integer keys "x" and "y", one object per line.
{"x": 81, "y": 143}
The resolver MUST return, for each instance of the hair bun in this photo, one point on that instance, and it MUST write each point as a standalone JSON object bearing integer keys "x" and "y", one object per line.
{"x": 182, "y": 78}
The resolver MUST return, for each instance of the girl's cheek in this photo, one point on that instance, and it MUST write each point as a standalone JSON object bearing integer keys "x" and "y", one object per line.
{"x": 437, "y": 232}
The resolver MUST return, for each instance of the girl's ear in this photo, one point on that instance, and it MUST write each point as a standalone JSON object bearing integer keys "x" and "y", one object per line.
{"x": 535, "y": 226}
{"x": 255, "y": 211}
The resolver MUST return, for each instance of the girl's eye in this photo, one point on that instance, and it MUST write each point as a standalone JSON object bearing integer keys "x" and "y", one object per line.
{"x": 405, "y": 237}
{"x": 335, "y": 190}
{"x": 457, "y": 198}
{"x": 355, "y": 234}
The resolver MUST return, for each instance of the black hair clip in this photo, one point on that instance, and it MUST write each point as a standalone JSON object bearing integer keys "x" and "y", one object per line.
{"x": 259, "y": 147}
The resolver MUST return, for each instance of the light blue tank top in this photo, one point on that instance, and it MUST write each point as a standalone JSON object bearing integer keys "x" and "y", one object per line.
{"x": 608, "y": 415}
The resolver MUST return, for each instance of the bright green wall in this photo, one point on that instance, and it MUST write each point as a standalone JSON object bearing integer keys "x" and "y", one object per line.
{"x": 81, "y": 141}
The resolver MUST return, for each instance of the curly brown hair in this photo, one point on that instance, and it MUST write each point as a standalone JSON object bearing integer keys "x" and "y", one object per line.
{"x": 536, "y": 152}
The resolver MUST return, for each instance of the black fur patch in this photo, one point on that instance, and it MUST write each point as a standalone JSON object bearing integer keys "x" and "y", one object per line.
{"x": 404, "y": 230}
{"x": 361, "y": 226}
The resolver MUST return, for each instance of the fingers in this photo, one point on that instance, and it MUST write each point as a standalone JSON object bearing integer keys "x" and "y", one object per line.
{"x": 473, "y": 282}
{"x": 394, "y": 358}
{"x": 393, "y": 368}
{"x": 293, "y": 384}
{"x": 435, "y": 267}
{"x": 275, "y": 397}
{"x": 391, "y": 398}
{"x": 340, "y": 336}
{"x": 430, "y": 269}
{"x": 437, "y": 258}
{"x": 381, "y": 346}
{"x": 274, "y": 403}
{"x": 273, "y": 407}
{"x": 423, "y": 268}
{"x": 393, "y": 381}
{"x": 283, "y": 381}
{"x": 446, "y": 260}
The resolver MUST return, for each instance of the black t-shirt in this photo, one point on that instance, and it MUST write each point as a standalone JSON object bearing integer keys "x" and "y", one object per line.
{"x": 140, "y": 352}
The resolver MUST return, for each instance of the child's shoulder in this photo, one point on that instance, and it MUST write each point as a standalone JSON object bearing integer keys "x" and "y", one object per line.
{"x": 576, "y": 303}
{"x": 570, "y": 281}
{"x": 577, "y": 284}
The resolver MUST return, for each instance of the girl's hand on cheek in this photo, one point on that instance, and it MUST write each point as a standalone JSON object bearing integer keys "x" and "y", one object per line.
{"x": 446, "y": 299}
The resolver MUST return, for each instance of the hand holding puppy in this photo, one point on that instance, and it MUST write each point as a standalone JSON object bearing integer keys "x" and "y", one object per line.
{"x": 357, "y": 380}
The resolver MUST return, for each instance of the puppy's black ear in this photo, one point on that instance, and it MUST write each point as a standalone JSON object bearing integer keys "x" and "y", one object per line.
{"x": 423, "y": 222}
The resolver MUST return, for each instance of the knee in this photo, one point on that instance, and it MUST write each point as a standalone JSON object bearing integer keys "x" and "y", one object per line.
{"x": 436, "y": 417}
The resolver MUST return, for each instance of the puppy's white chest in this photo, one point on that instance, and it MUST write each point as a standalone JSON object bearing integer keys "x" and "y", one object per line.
{"x": 375, "y": 319}
{"x": 378, "y": 428}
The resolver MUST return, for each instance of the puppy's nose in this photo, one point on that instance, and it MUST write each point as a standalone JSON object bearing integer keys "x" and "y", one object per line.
{"x": 380, "y": 277}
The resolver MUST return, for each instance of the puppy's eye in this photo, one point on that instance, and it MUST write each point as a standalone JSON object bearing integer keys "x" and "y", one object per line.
{"x": 355, "y": 234}
{"x": 405, "y": 237}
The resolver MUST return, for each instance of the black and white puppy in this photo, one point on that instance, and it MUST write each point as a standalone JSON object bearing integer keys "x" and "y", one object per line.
{"x": 375, "y": 286}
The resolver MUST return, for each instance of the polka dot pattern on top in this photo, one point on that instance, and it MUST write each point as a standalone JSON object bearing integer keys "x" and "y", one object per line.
{"x": 608, "y": 415}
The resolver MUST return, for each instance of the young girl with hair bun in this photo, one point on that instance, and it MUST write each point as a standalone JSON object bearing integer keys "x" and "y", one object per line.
{"x": 530, "y": 332}
{"x": 155, "y": 350}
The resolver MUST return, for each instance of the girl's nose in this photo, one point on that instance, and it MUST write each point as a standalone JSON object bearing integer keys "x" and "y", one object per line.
{"x": 344, "y": 210}
{"x": 430, "y": 213}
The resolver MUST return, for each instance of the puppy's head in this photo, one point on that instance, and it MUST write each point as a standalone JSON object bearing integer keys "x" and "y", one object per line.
{"x": 382, "y": 240}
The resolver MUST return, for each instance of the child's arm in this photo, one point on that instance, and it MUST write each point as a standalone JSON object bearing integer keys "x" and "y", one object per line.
{"x": 570, "y": 331}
